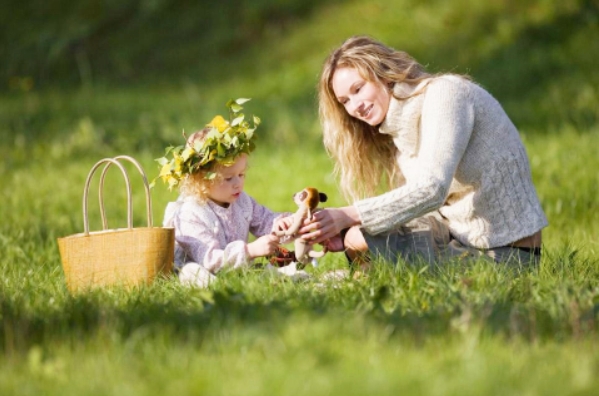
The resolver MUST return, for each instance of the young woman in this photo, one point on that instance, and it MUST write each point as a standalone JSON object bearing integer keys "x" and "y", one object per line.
{"x": 457, "y": 174}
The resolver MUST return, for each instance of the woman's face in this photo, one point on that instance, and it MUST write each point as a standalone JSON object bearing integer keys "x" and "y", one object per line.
{"x": 367, "y": 101}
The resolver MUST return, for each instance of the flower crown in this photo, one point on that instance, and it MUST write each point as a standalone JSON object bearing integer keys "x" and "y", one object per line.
{"x": 223, "y": 143}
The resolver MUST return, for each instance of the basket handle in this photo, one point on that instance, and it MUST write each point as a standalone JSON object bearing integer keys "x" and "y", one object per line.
{"x": 86, "y": 193}
{"x": 129, "y": 211}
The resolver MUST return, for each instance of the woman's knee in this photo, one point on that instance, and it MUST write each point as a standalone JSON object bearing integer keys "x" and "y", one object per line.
{"x": 355, "y": 244}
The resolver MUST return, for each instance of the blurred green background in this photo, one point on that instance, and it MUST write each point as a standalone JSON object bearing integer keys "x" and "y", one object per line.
{"x": 170, "y": 64}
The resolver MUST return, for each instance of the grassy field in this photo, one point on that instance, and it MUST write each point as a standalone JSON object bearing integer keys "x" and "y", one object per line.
{"x": 463, "y": 329}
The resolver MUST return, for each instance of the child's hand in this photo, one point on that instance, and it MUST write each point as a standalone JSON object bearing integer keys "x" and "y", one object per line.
{"x": 282, "y": 224}
{"x": 263, "y": 246}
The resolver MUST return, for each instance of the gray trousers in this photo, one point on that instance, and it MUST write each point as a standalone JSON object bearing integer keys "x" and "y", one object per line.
{"x": 428, "y": 240}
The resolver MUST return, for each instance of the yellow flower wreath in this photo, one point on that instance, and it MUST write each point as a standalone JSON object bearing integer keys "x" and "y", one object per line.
{"x": 223, "y": 144}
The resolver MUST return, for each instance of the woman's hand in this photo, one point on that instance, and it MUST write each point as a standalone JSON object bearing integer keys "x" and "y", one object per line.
{"x": 263, "y": 246}
{"x": 328, "y": 223}
{"x": 334, "y": 244}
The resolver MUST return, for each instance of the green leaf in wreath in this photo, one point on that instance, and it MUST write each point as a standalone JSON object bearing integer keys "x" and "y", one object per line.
{"x": 236, "y": 121}
{"x": 241, "y": 101}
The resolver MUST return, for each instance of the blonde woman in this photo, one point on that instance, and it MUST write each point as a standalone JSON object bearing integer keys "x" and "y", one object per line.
{"x": 457, "y": 177}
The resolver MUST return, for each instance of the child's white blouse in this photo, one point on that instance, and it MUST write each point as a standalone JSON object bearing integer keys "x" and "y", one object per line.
{"x": 213, "y": 236}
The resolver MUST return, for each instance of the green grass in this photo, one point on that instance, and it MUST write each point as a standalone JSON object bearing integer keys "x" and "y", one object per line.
{"x": 463, "y": 329}
{"x": 460, "y": 329}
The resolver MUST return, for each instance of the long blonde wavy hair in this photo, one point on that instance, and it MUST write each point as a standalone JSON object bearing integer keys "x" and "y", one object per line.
{"x": 364, "y": 158}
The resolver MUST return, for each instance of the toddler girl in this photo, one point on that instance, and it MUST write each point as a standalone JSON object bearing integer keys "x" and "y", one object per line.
{"x": 213, "y": 216}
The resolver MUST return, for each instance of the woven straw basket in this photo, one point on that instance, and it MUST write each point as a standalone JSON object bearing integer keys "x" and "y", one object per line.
{"x": 126, "y": 256}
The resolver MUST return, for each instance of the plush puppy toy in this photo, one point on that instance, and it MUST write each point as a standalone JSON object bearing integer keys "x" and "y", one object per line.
{"x": 307, "y": 201}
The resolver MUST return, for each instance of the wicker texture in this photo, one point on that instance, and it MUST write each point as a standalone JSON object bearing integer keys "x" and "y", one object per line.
{"x": 127, "y": 256}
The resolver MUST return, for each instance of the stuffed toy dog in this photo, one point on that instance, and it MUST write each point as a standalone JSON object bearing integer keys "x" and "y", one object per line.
{"x": 307, "y": 201}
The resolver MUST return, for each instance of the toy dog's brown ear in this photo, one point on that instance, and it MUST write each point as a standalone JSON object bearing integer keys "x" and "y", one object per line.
{"x": 322, "y": 196}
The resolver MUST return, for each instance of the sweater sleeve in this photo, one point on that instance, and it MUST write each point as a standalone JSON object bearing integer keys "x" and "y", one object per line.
{"x": 446, "y": 124}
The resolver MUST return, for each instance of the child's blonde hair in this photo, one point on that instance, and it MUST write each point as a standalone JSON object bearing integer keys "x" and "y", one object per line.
{"x": 197, "y": 184}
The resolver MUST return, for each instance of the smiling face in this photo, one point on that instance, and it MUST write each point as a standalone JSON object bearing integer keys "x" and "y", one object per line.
{"x": 365, "y": 100}
{"x": 229, "y": 185}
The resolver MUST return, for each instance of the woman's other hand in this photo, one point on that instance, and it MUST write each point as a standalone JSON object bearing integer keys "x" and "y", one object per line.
{"x": 328, "y": 223}
{"x": 334, "y": 244}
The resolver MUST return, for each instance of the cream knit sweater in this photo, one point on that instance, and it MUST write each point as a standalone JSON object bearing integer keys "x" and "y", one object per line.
{"x": 460, "y": 154}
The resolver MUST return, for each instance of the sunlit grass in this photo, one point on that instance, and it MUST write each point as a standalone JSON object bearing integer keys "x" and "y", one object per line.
{"x": 479, "y": 327}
